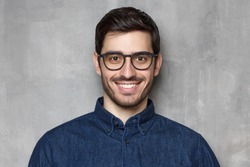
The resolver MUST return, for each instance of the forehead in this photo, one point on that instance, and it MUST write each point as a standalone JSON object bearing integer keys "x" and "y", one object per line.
{"x": 127, "y": 42}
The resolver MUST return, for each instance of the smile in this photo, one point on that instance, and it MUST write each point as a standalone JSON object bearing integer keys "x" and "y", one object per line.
{"x": 127, "y": 86}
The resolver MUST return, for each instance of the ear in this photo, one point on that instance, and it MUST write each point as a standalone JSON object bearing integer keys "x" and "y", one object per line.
{"x": 158, "y": 63}
{"x": 96, "y": 63}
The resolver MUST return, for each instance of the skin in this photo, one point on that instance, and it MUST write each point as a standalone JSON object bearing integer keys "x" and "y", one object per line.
{"x": 125, "y": 91}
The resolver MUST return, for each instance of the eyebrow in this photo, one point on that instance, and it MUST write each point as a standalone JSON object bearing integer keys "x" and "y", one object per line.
{"x": 113, "y": 52}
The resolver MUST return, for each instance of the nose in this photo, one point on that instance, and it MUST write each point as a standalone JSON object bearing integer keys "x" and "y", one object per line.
{"x": 128, "y": 70}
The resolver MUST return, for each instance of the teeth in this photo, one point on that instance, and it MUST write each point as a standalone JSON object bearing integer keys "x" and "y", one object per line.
{"x": 127, "y": 86}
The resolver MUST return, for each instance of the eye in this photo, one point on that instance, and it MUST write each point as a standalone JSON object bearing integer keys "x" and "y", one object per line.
{"x": 114, "y": 58}
{"x": 141, "y": 58}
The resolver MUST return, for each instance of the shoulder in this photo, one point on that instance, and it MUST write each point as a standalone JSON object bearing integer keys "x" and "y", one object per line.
{"x": 74, "y": 130}
{"x": 171, "y": 128}
{"x": 74, "y": 126}
{"x": 186, "y": 138}
{"x": 172, "y": 125}
{"x": 61, "y": 138}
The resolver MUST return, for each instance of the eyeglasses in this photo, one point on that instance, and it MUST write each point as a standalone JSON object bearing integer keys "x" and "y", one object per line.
{"x": 116, "y": 60}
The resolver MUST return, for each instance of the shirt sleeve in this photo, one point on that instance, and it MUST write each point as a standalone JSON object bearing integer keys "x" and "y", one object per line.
{"x": 41, "y": 156}
{"x": 206, "y": 155}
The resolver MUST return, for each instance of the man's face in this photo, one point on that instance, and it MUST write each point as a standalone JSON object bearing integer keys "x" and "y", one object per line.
{"x": 127, "y": 87}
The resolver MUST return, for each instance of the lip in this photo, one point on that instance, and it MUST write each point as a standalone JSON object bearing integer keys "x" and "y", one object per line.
{"x": 127, "y": 87}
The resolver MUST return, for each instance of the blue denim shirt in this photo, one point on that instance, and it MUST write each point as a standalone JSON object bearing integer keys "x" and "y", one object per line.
{"x": 99, "y": 139}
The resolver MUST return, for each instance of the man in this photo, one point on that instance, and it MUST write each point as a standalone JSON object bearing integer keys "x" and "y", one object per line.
{"x": 124, "y": 129}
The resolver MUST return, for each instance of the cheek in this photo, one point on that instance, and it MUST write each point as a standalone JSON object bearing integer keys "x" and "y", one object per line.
{"x": 149, "y": 75}
{"x": 107, "y": 76}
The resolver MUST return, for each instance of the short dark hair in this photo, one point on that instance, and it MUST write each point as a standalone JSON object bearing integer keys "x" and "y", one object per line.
{"x": 126, "y": 19}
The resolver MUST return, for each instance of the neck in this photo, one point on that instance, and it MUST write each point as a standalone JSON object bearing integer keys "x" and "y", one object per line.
{"x": 121, "y": 112}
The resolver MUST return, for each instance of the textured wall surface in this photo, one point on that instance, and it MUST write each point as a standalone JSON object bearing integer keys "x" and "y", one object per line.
{"x": 47, "y": 75}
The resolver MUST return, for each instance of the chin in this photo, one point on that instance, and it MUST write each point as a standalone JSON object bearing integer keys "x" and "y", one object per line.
{"x": 128, "y": 102}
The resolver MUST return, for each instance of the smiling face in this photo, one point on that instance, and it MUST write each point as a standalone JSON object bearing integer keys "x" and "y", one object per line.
{"x": 127, "y": 87}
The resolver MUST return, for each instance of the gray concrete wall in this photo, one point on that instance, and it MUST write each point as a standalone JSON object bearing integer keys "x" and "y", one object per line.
{"x": 47, "y": 75}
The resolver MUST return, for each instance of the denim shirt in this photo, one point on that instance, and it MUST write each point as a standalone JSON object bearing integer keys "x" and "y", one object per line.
{"x": 99, "y": 139}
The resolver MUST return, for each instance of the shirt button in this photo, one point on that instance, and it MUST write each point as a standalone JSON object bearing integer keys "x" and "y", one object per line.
{"x": 116, "y": 122}
{"x": 126, "y": 141}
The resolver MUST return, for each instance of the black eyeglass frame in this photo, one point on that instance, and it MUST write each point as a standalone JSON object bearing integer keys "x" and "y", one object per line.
{"x": 127, "y": 55}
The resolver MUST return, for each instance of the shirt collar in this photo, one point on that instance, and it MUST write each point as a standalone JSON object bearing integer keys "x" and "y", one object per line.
{"x": 108, "y": 121}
